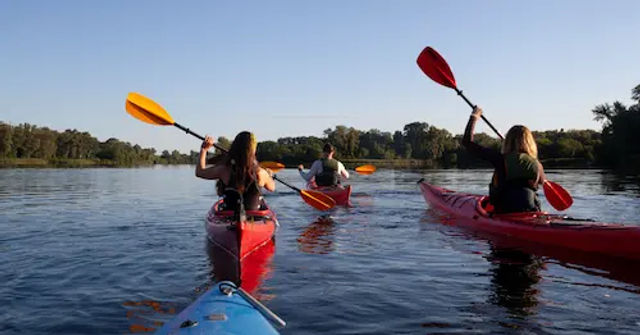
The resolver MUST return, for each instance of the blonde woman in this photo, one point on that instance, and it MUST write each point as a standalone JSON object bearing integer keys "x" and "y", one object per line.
{"x": 517, "y": 171}
{"x": 238, "y": 172}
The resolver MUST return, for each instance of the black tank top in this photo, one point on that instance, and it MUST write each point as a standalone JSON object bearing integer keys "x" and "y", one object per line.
{"x": 251, "y": 197}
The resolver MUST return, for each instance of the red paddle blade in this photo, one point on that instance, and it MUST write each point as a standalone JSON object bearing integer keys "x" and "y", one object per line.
{"x": 557, "y": 196}
{"x": 436, "y": 68}
{"x": 317, "y": 200}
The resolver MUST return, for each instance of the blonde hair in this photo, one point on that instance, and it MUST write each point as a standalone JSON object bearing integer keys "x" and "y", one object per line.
{"x": 520, "y": 139}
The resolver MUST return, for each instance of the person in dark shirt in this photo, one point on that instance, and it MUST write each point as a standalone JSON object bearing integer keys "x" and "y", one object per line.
{"x": 238, "y": 172}
{"x": 517, "y": 171}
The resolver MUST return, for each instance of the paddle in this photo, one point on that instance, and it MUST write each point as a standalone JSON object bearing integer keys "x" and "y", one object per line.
{"x": 273, "y": 166}
{"x": 436, "y": 68}
{"x": 366, "y": 169}
{"x": 148, "y": 111}
{"x": 557, "y": 196}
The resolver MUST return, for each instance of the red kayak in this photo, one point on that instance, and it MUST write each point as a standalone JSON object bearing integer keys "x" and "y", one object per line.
{"x": 468, "y": 211}
{"x": 341, "y": 195}
{"x": 240, "y": 238}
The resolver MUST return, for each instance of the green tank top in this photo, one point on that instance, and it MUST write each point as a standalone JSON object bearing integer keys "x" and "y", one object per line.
{"x": 330, "y": 165}
{"x": 520, "y": 166}
{"x": 515, "y": 191}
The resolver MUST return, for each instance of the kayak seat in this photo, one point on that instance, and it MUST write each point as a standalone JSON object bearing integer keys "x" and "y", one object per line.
{"x": 263, "y": 213}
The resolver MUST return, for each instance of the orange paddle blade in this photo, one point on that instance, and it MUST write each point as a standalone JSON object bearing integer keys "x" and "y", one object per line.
{"x": 147, "y": 110}
{"x": 317, "y": 200}
{"x": 557, "y": 196}
{"x": 366, "y": 169}
{"x": 271, "y": 165}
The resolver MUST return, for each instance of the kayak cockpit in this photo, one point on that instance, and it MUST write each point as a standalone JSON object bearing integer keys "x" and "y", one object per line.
{"x": 486, "y": 209}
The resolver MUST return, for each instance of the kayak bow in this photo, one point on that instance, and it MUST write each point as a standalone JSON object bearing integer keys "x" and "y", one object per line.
{"x": 223, "y": 309}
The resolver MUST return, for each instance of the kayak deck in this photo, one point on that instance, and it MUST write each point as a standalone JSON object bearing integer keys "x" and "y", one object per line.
{"x": 609, "y": 239}
{"x": 220, "y": 310}
{"x": 340, "y": 194}
{"x": 240, "y": 238}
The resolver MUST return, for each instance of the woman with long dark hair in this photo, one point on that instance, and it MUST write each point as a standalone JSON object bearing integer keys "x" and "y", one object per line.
{"x": 238, "y": 173}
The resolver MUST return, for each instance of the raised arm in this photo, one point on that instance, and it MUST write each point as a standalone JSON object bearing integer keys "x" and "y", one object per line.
{"x": 476, "y": 149}
{"x": 467, "y": 139}
{"x": 202, "y": 171}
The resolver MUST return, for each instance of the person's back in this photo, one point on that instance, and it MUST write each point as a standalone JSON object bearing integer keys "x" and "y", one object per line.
{"x": 250, "y": 196}
{"x": 329, "y": 175}
{"x": 326, "y": 171}
{"x": 516, "y": 192}
{"x": 238, "y": 173}
{"x": 517, "y": 170}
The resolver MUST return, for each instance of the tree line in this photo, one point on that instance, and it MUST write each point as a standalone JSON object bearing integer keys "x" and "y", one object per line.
{"x": 421, "y": 141}
{"x": 26, "y": 141}
{"x": 615, "y": 146}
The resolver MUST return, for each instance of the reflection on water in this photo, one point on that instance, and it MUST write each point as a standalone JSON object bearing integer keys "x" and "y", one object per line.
{"x": 248, "y": 273}
{"x": 620, "y": 184}
{"x": 141, "y": 314}
{"x": 514, "y": 278}
{"x": 317, "y": 238}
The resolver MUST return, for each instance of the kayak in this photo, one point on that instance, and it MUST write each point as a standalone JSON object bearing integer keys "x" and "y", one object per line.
{"x": 223, "y": 309}
{"x": 237, "y": 237}
{"x": 541, "y": 228}
{"x": 340, "y": 194}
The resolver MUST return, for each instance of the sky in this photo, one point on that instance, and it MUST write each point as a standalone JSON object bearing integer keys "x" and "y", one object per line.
{"x": 296, "y": 68}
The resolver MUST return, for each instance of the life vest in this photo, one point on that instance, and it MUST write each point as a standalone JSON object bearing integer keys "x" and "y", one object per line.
{"x": 515, "y": 191}
{"x": 250, "y": 199}
{"x": 329, "y": 175}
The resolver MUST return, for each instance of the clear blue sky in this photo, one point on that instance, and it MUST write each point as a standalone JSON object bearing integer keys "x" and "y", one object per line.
{"x": 291, "y": 68}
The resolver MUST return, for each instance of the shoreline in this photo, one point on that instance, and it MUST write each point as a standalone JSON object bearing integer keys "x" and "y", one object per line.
{"x": 399, "y": 164}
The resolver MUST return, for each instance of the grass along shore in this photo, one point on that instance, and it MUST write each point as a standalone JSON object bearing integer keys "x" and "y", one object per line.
{"x": 58, "y": 163}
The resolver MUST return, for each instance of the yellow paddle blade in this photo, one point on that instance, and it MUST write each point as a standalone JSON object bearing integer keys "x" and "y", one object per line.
{"x": 317, "y": 200}
{"x": 271, "y": 165}
{"x": 147, "y": 110}
{"x": 275, "y": 170}
{"x": 366, "y": 169}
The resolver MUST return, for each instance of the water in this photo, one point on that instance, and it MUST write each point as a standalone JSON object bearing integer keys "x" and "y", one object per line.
{"x": 112, "y": 251}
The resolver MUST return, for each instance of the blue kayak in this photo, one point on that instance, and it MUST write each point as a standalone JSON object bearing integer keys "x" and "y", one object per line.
{"x": 223, "y": 309}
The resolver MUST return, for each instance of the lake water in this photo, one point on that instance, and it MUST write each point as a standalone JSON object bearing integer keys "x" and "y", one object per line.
{"x": 113, "y": 251}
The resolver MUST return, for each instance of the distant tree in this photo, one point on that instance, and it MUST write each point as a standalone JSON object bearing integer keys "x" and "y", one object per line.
{"x": 635, "y": 94}
{"x": 620, "y": 135}
{"x": 415, "y": 135}
{"x": 224, "y": 143}
{"x": 6, "y": 142}
{"x": 346, "y": 140}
